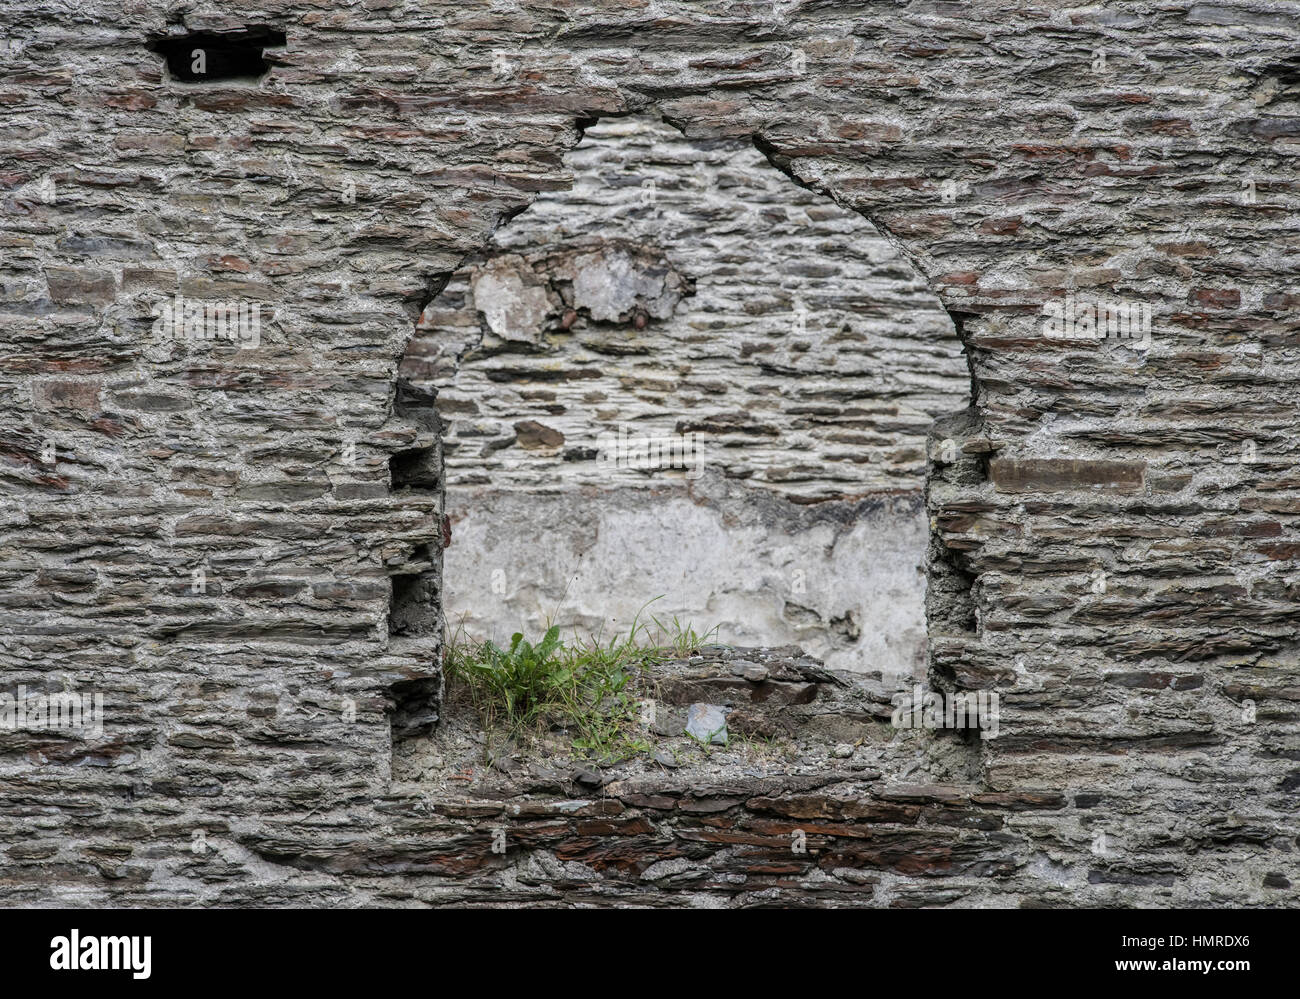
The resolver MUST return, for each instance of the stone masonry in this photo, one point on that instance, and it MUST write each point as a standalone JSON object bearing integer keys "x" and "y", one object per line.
{"x": 223, "y": 503}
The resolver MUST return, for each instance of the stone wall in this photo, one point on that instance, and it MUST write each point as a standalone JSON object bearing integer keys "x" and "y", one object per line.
{"x": 237, "y": 544}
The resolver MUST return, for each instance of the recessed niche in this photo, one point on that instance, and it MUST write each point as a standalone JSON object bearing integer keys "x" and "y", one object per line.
{"x": 415, "y": 469}
{"x": 206, "y": 56}
{"x": 689, "y": 388}
{"x": 413, "y": 610}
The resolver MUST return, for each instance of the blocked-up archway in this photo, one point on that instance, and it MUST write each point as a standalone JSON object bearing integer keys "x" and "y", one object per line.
{"x": 687, "y": 380}
{"x": 1131, "y": 559}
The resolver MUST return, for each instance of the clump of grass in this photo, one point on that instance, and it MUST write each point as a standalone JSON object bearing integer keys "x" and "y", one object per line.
{"x": 588, "y": 684}
{"x": 518, "y": 683}
{"x": 682, "y": 637}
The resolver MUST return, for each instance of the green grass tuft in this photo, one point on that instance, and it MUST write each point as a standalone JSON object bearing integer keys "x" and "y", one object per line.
{"x": 586, "y": 684}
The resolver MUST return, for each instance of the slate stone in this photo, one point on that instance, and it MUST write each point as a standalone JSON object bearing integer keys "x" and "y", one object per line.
{"x": 707, "y": 723}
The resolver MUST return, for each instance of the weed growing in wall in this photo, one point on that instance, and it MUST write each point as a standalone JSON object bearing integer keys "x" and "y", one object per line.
{"x": 588, "y": 686}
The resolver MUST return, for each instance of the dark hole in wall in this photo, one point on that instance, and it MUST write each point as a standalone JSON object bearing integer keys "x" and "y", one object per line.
{"x": 416, "y": 469}
{"x": 416, "y": 704}
{"x": 209, "y": 55}
{"x": 413, "y": 610}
